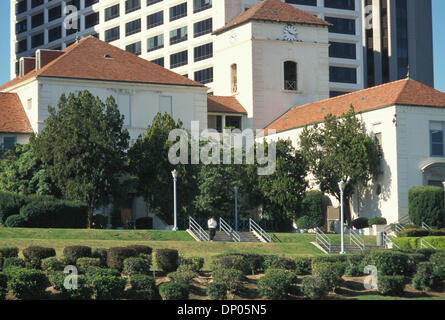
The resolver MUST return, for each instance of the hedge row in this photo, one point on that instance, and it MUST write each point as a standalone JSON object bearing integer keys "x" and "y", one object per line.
{"x": 414, "y": 242}
{"x": 419, "y": 232}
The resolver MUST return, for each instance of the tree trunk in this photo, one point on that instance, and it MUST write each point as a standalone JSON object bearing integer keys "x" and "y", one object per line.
{"x": 90, "y": 217}
{"x": 347, "y": 209}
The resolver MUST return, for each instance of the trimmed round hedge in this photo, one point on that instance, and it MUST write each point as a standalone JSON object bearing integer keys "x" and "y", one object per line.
{"x": 425, "y": 204}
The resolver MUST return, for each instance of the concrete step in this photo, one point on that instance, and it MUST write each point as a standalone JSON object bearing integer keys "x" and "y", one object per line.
{"x": 352, "y": 249}
{"x": 221, "y": 236}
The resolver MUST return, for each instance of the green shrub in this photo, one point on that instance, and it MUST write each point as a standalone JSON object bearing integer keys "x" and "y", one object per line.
{"x": 84, "y": 264}
{"x": 100, "y": 221}
{"x": 144, "y": 223}
{"x": 276, "y": 284}
{"x": 360, "y": 223}
{"x": 107, "y": 287}
{"x": 354, "y": 265}
{"x": 9, "y": 252}
{"x": 73, "y": 253}
{"x": 314, "y": 288}
{"x": 28, "y": 284}
{"x": 331, "y": 258}
{"x": 10, "y": 204}
{"x": 102, "y": 272}
{"x": 184, "y": 273}
{"x": 35, "y": 255}
{"x": 82, "y": 292}
{"x": 328, "y": 272}
{"x": 415, "y": 242}
{"x": 13, "y": 262}
{"x": 391, "y": 285}
{"x": 314, "y": 208}
{"x": 390, "y": 263}
{"x": 16, "y": 221}
{"x": 338, "y": 261}
{"x": 143, "y": 287}
{"x": 276, "y": 262}
{"x": 377, "y": 221}
{"x": 233, "y": 278}
{"x": 232, "y": 261}
{"x": 425, "y": 204}
{"x": 141, "y": 249}
{"x": 303, "y": 265}
{"x": 55, "y": 214}
{"x": 56, "y": 279}
{"x": 174, "y": 291}
{"x": 413, "y": 232}
{"x": 167, "y": 259}
{"x": 255, "y": 262}
{"x": 52, "y": 264}
{"x": 438, "y": 264}
{"x": 117, "y": 255}
{"x": 424, "y": 279}
{"x": 9, "y": 272}
{"x": 3, "y": 286}
{"x": 136, "y": 265}
{"x": 195, "y": 263}
{"x": 217, "y": 290}
{"x": 101, "y": 254}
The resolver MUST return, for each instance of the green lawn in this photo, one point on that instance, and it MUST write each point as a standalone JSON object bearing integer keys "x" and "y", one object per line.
{"x": 291, "y": 245}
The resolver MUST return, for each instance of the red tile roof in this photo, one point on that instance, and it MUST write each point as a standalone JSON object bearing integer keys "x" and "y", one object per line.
{"x": 13, "y": 118}
{"x": 401, "y": 92}
{"x": 224, "y": 104}
{"x": 275, "y": 11}
{"x": 88, "y": 60}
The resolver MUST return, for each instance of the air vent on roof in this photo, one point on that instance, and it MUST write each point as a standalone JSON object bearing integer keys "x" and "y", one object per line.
{"x": 107, "y": 56}
{"x": 45, "y": 56}
{"x": 26, "y": 64}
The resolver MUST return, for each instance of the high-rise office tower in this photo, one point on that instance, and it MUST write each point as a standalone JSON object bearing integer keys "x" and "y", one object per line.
{"x": 397, "y": 41}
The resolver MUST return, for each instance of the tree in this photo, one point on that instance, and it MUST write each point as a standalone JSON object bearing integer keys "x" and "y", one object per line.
{"x": 282, "y": 192}
{"x": 21, "y": 172}
{"x": 83, "y": 145}
{"x": 149, "y": 163}
{"x": 340, "y": 150}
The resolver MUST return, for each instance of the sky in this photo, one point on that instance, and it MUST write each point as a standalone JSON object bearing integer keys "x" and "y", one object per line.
{"x": 438, "y": 35}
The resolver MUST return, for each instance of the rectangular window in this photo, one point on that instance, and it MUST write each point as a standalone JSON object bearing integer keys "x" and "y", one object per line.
{"x": 178, "y": 35}
{"x": 155, "y": 43}
{"x": 132, "y": 5}
{"x": 54, "y": 13}
{"x": 155, "y": 19}
{"x": 312, "y": 3}
{"x": 233, "y": 122}
{"x": 112, "y": 12}
{"x": 73, "y": 30}
{"x": 340, "y": 25}
{"x": 134, "y": 48}
{"x": 55, "y": 33}
{"x": 178, "y": 59}
{"x": 203, "y": 52}
{"x": 150, "y": 2}
{"x": 202, "y": 27}
{"x": 21, "y": 6}
{"x": 91, "y": 20}
{"x": 112, "y": 34}
{"x": 133, "y": 27}
{"x": 36, "y": 3}
{"x": 89, "y": 3}
{"x": 178, "y": 11}
{"x": 9, "y": 142}
{"x": 21, "y": 26}
{"x": 340, "y": 4}
{"x": 342, "y": 74}
{"x": 159, "y": 61}
{"x": 21, "y": 46}
{"x": 75, "y": 3}
{"x": 204, "y": 76}
{"x": 436, "y": 138}
{"x": 37, "y": 40}
{"x": 37, "y": 20}
{"x": 342, "y": 50}
{"x": 201, "y": 5}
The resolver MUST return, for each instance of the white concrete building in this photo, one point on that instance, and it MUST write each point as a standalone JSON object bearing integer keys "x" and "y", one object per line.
{"x": 407, "y": 119}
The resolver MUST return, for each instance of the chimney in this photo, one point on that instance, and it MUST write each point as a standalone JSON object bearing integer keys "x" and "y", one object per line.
{"x": 45, "y": 56}
{"x": 26, "y": 64}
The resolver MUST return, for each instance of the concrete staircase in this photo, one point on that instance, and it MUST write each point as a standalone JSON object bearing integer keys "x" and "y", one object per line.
{"x": 221, "y": 236}
{"x": 351, "y": 249}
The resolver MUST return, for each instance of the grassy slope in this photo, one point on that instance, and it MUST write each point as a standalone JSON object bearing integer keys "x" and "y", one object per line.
{"x": 291, "y": 244}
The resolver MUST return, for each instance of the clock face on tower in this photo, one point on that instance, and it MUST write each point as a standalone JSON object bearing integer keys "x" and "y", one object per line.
{"x": 290, "y": 33}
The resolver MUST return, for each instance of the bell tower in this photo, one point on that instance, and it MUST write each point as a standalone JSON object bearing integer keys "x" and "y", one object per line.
{"x": 272, "y": 57}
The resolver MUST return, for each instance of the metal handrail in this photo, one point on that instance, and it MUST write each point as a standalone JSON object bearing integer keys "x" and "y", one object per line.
{"x": 387, "y": 239}
{"x": 198, "y": 230}
{"x": 356, "y": 239}
{"x": 253, "y": 226}
{"x": 323, "y": 240}
{"x": 224, "y": 226}
{"x": 426, "y": 227}
{"x": 426, "y": 244}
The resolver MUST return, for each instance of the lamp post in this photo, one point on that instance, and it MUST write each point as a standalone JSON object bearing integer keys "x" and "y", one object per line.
{"x": 175, "y": 175}
{"x": 341, "y": 185}
{"x": 236, "y": 207}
